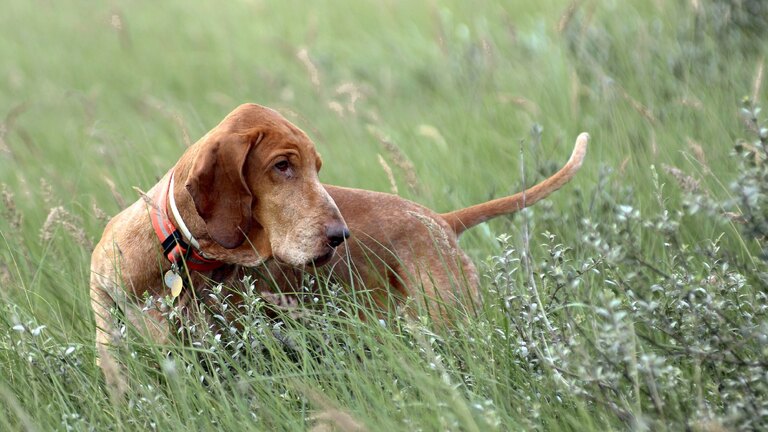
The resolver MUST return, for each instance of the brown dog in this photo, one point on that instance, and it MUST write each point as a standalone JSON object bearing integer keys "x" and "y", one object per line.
{"x": 245, "y": 192}
{"x": 400, "y": 250}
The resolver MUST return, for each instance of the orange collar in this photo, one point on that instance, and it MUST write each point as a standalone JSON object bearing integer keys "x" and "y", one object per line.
{"x": 175, "y": 247}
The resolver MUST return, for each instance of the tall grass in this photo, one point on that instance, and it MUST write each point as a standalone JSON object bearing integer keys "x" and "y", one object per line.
{"x": 632, "y": 299}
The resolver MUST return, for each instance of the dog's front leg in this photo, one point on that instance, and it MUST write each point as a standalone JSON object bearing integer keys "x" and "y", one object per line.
{"x": 106, "y": 335}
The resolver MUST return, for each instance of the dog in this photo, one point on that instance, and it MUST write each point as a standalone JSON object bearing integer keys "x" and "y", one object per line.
{"x": 246, "y": 192}
{"x": 402, "y": 252}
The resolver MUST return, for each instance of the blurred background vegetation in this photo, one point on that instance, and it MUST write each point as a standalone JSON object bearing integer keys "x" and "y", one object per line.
{"x": 464, "y": 101}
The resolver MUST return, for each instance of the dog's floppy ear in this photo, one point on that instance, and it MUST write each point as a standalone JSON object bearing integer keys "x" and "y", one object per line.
{"x": 219, "y": 190}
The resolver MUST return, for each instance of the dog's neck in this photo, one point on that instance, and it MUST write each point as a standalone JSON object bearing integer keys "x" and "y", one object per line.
{"x": 180, "y": 246}
{"x": 186, "y": 213}
{"x": 176, "y": 217}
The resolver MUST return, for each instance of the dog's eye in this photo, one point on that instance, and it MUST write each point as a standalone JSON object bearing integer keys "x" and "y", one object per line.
{"x": 282, "y": 166}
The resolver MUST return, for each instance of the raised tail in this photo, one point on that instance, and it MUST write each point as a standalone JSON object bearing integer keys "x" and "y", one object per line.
{"x": 461, "y": 220}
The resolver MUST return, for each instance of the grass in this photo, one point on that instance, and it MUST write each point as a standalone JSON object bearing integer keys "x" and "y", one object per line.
{"x": 626, "y": 301}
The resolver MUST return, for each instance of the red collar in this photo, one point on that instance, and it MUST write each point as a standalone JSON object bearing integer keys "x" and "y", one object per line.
{"x": 175, "y": 247}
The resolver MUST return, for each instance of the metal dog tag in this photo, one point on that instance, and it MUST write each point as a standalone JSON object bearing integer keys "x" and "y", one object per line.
{"x": 174, "y": 282}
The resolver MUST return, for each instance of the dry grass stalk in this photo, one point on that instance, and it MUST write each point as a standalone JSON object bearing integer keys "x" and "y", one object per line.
{"x": 390, "y": 175}
{"x": 696, "y": 5}
{"x": 6, "y": 126}
{"x": 639, "y": 107}
{"x": 623, "y": 165}
{"x": 402, "y": 162}
{"x": 755, "y": 153}
{"x": 3, "y": 132}
{"x": 735, "y": 217}
{"x": 99, "y": 213}
{"x": 353, "y": 93}
{"x": 58, "y": 216}
{"x": 686, "y": 182}
{"x": 117, "y": 21}
{"x": 143, "y": 195}
{"x": 373, "y": 116}
{"x": 179, "y": 120}
{"x": 398, "y": 158}
{"x": 115, "y": 194}
{"x": 5, "y": 277}
{"x": 46, "y": 190}
{"x": 440, "y": 32}
{"x": 431, "y": 132}
{"x": 589, "y": 16}
{"x": 698, "y": 152}
{"x": 567, "y": 16}
{"x": 10, "y": 212}
{"x": 573, "y": 97}
{"x": 692, "y": 102}
{"x": 758, "y": 83}
{"x": 528, "y": 105}
{"x": 438, "y": 233}
{"x": 314, "y": 75}
{"x": 175, "y": 116}
{"x": 644, "y": 111}
{"x": 337, "y": 108}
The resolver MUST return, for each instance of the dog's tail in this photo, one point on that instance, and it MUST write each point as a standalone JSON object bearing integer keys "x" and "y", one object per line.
{"x": 461, "y": 220}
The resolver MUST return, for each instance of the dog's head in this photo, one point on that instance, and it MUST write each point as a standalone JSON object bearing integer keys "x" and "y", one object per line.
{"x": 253, "y": 181}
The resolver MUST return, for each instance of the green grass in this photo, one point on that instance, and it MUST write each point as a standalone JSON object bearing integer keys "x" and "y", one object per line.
{"x": 649, "y": 314}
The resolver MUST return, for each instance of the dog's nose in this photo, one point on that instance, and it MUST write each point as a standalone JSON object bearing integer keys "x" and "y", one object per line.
{"x": 337, "y": 234}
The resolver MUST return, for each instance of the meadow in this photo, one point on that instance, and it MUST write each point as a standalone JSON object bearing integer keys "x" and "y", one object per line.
{"x": 633, "y": 299}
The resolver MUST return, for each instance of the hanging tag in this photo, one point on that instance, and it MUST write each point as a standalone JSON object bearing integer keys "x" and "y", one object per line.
{"x": 174, "y": 282}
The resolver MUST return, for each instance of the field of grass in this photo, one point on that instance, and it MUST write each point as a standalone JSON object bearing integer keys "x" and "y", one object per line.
{"x": 634, "y": 298}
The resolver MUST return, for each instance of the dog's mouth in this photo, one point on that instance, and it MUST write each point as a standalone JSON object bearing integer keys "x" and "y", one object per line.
{"x": 323, "y": 259}
{"x": 317, "y": 261}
